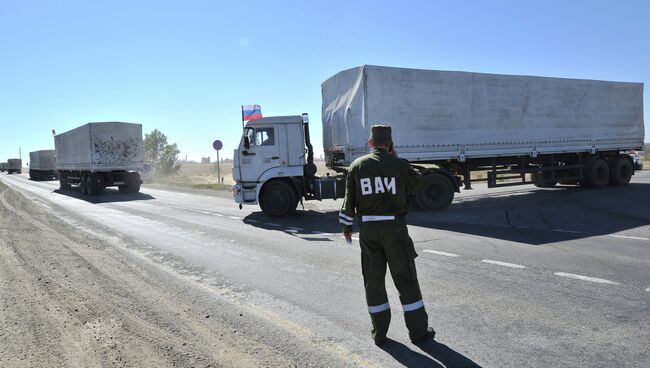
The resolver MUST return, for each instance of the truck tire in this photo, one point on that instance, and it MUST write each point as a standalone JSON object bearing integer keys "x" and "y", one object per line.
{"x": 620, "y": 171}
{"x": 63, "y": 184}
{"x": 278, "y": 199}
{"x": 435, "y": 193}
{"x": 83, "y": 185}
{"x": 132, "y": 185}
{"x": 91, "y": 184}
{"x": 540, "y": 181}
{"x": 596, "y": 173}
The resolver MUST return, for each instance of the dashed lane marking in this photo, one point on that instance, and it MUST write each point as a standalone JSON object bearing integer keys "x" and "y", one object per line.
{"x": 504, "y": 264}
{"x": 251, "y": 220}
{"x": 585, "y": 278}
{"x": 295, "y": 228}
{"x": 235, "y": 218}
{"x": 437, "y": 252}
{"x": 272, "y": 224}
{"x": 218, "y": 214}
{"x": 628, "y": 237}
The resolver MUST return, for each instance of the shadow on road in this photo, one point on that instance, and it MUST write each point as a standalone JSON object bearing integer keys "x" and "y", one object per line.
{"x": 108, "y": 196}
{"x": 435, "y": 355}
{"x": 534, "y": 217}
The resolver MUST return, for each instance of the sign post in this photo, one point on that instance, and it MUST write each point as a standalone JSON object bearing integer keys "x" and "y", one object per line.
{"x": 218, "y": 145}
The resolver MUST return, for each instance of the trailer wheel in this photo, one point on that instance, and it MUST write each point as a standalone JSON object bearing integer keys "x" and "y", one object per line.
{"x": 82, "y": 185}
{"x": 542, "y": 182}
{"x": 278, "y": 199}
{"x": 596, "y": 173}
{"x": 91, "y": 184}
{"x": 620, "y": 171}
{"x": 435, "y": 193}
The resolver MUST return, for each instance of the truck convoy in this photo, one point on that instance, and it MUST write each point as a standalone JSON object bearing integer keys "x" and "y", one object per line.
{"x": 99, "y": 155}
{"x": 518, "y": 129}
{"x": 14, "y": 166}
{"x": 42, "y": 166}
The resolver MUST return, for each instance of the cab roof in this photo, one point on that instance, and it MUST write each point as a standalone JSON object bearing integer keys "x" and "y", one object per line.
{"x": 291, "y": 119}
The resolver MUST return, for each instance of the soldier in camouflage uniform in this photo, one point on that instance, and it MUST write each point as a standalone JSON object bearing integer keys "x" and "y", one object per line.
{"x": 376, "y": 193}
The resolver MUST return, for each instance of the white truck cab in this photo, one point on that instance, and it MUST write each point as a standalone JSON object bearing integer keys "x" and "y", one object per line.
{"x": 269, "y": 164}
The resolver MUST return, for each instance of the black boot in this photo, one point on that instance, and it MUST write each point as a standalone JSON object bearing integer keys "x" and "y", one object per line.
{"x": 429, "y": 335}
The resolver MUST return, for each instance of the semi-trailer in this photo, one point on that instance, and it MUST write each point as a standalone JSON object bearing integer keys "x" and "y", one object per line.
{"x": 95, "y": 156}
{"x": 42, "y": 165}
{"x": 14, "y": 166}
{"x": 3, "y": 166}
{"x": 518, "y": 129}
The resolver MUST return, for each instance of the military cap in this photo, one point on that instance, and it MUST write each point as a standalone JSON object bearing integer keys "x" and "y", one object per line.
{"x": 381, "y": 133}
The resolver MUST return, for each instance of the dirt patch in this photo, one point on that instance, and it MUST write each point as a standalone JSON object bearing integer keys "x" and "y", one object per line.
{"x": 70, "y": 299}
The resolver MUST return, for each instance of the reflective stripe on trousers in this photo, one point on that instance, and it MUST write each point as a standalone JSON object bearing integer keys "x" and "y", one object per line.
{"x": 377, "y": 218}
{"x": 413, "y": 306}
{"x": 378, "y": 308}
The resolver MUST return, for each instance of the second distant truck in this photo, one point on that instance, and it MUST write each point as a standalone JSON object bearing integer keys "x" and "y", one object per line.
{"x": 100, "y": 155}
{"x": 42, "y": 166}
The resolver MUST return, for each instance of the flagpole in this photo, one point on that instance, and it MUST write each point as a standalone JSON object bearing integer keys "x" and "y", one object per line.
{"x": 241, "y": 179}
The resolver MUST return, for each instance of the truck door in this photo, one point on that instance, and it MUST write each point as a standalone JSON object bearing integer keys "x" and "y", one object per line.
{"x": 263, "y": 152}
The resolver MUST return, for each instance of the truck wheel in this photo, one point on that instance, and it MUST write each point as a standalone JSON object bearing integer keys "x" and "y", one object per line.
{"x": 82, "y": 185}
{"x": 435, "y": 193}
{"x": 620, "y": 171}
{"x": 596, "y": 173}
{"x": 542, "y": 182}
{"x": 91, "y": 184}
{"x": 278, "y": 199}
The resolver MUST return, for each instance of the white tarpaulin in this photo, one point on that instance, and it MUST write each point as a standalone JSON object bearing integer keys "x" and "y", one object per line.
{"x": 446, "y": 115}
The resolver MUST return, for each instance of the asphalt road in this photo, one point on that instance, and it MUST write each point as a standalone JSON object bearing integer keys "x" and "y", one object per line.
{"x": 517, "y": 277}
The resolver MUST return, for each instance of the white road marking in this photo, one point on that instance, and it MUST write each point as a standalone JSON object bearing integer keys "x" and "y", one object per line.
{"x": 291, "y": 231}
{"x": 295, "y": 228}
{"x": 437, "y": 252}
{"x": 251, "y": 220}
{"x": 235, "y": 218}
{"x": 567, "y": 231}
{"x": 628, "y": 237}
{"x": 317, "y": 232}
{"x": 273, "y": 224}
{"x": 504, "y": 264}
{"x": 355, "y": 238}
{"x": 218, "y": 214}
{"x": 585, "y": 278}
{"x": 648, "y": 289}
{"x": 205, "y": 212}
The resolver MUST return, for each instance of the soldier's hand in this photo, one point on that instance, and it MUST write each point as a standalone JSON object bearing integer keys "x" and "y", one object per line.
{"x": 348, "y": 237}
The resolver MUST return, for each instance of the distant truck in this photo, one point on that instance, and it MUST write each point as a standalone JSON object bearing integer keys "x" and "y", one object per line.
{"x": 14, "y": 166}
{"x": 100, "y": 155}
{"x": 518, "y": 129}
{"x": 3, "y": 166}
{"x": 42, "y": 165}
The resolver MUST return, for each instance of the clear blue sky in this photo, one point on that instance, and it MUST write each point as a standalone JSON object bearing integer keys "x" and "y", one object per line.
{"x": 185, "y": 67}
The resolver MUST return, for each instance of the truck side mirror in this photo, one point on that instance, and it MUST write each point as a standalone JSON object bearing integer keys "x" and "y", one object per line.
{"x": 247, "y": 143}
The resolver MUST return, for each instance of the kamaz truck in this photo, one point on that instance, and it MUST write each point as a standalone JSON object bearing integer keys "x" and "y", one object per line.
{"x": 100, "y": 155}
{"x": 42, "y": 165}
{"x": 14, "y": 166}
{"x": 517, "y": 129}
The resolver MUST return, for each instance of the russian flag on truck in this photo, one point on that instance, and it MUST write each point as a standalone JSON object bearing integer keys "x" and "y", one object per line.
{"x": 251, "y": 112}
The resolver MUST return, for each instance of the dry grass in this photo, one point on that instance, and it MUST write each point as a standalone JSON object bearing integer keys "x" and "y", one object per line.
{"x": 204, "y": 176}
